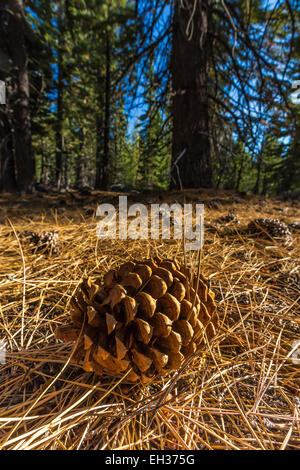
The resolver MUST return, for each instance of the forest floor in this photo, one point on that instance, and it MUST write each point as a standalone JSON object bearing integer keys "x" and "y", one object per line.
{"x": 243, "y": 393}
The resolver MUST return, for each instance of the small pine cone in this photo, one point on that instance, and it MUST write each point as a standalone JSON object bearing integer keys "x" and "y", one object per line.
{"x": 45, "y": 241}
{"x": 273, "y": 227}
{"x": 231, "y": 217}
{"x": 144, "y": 319}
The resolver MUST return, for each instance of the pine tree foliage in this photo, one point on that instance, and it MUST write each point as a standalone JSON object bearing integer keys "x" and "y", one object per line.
{"x": 102, "y": 95}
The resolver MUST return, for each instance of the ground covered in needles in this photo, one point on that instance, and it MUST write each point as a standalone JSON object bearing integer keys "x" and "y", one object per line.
{"x": 241, "y": 392}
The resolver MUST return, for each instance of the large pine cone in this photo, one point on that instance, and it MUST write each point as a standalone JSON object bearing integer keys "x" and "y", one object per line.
{"x": 145, "y": 316}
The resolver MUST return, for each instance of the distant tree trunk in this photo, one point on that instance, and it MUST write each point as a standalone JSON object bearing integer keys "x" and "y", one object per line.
{"x": 7, "y": 163}
{"x": 80, "y": 158}
{"x": 99, "y": 136}
{"x": 239, "y": 176}
{"x": 60, "y": 97}
{"x": 103, "y": 158}
{"x": 257, "y": 183}
{"x": 265, "y": 183}
{"x": 59, "y": 130}
{"x": 43, "y": 178}
{"x": 65, "y": 175}
{"x": 189, "y": 67}
{"x": 106, "y": 160}
{"x": 19, "y": 99}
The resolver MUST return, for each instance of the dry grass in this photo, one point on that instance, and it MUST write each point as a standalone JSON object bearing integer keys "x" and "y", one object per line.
{"x": 242, "y": 392}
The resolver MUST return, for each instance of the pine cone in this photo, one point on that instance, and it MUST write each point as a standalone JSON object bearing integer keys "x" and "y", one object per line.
{"x": 145, "y": 317}
{"x": 45, "y": 242}
{"x": 231, "y": 217}
{"x": 273, "y": 227}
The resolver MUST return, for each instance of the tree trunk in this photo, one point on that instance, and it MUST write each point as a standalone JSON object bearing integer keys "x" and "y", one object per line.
{"x": 103, "y": 164}
{"x": 80, "y": 159}
{"x": 239, "y": 177}
{"x": 265, "y": 183}
{"x": 59, "y": 130}
{"x": 190, "y": 111}
{"x": 99, "y": 135}
{"x": 43, "y": 161}
{"x": 60, "y": 94}
{"x": 106, "y": 160}
{"x": 7, "y": 162}
{"x": 19, "y": 99}
{"x": 257, "y": 183}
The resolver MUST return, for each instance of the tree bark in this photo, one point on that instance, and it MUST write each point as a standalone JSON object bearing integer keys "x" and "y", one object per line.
{"x": 60, "y": 98}
{"x": 19, "y": 99}
{"x": 257, "y": 183}
{"x": 106, "y": 160}
{"x": 80, "y": 159}
{"x": 103, "y": 164}
{"x": 239, "y": 176}
{"x": 99, "y": 133}
{"x": 7, "y": 162}
{"x": 190, "y": 110}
